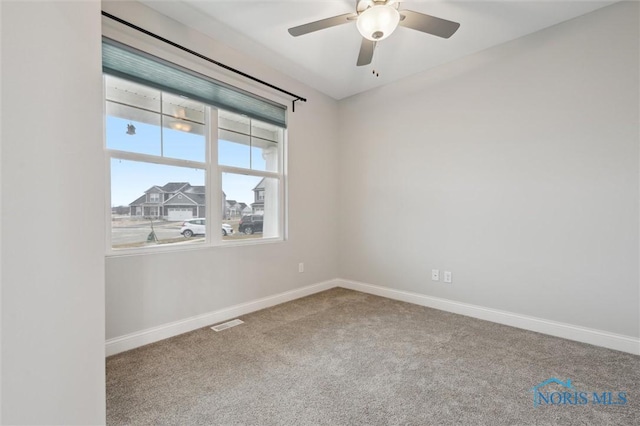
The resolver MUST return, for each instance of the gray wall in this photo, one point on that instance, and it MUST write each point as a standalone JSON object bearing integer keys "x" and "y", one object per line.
{"x": 519, "y": 167}
{"x": 145, "y": 291}
{"x": 52, "y": 256}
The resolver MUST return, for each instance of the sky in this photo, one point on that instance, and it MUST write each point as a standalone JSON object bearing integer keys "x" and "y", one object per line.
{"x": 129, "y": 179}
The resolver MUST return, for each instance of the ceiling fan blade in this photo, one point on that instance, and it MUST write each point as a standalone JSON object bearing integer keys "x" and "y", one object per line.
{"x": 321, "y": 24}
{"x": 428, "y": 24}
{"x": 366, "y": 52}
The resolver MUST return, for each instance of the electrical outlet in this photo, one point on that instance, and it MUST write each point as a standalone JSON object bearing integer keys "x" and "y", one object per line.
{"x": 435, "y": 275}
{"x": 447, "y": 276}
{"x": 300, "y": 267}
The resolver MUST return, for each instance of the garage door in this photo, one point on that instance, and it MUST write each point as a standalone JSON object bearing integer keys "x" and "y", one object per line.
{"x": 179, "y": 214}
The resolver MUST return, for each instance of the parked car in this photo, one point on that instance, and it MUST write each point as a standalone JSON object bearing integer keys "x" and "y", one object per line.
{"x": 197, "y": 226}
{"x": 251, "y": 223}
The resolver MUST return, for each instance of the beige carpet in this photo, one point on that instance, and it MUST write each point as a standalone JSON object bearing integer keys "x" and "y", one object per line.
{"x": 346, "y": 358}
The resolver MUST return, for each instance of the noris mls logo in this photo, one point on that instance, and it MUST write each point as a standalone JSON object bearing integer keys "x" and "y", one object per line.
{"x": 570, "y": 396}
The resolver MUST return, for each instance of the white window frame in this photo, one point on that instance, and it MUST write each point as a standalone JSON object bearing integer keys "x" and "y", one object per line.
{"x": 213, "y": 188}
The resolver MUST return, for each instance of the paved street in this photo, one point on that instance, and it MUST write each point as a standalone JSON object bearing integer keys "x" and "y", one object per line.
{"x": 127, "y": 233}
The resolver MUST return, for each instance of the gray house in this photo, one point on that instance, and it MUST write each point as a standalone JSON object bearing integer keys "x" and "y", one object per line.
{"x": 233, "y": 209}
{"x": 244, "y": 209}
{"x": 174, "y": 201}
{"x": 258, "y": 194}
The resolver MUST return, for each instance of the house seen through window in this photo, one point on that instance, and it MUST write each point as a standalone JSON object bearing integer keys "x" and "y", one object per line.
{"x": 165, "y": 189}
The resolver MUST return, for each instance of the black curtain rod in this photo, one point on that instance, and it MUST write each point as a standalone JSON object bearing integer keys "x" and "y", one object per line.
{"x": 227, "y": 67}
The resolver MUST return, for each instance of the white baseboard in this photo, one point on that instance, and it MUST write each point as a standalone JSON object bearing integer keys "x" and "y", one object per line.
{"x": 155, "y": 334}
{"x": 567, "y": 331}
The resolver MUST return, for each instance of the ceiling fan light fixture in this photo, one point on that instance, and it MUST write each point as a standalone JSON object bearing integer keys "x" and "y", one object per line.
{"x": 378, "y": 22}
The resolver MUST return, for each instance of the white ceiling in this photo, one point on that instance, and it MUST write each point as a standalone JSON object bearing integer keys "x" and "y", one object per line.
{"x": 326, "y": 60}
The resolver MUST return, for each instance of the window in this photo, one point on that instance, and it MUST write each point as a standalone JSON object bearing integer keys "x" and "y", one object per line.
{"x": 176, "y": 161}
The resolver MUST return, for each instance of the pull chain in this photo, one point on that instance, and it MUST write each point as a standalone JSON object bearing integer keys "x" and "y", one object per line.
{"x": 376, "y": 50}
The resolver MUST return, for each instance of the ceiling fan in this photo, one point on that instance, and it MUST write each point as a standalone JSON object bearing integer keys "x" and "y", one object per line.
{"x": 376, "y": 20}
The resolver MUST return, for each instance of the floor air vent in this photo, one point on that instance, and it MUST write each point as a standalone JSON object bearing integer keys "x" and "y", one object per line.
{"x": 227, "y": 324}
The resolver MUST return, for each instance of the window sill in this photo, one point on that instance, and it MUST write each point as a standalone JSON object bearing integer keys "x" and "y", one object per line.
{"x": 186, "y": 247}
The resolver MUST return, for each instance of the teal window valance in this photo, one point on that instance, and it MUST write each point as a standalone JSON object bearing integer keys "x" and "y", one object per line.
{"x": 126, "y": 62}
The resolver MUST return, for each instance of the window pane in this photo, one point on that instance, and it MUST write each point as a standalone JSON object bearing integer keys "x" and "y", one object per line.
{"x": 151, "y": 204}
{"x": 266, "y": 131}
{"x": 133, "y": 130}
{"x": 129, "y": 93}
{"x": 234, "y": 149}
{"x": 234, "y": 122}
{"x": 264, "y": 155}
{"x": 247, "y": 143}
{"x": 182, "y": 139}
{"x": 183, "y": 108}
{"x": 251, "y": 206}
